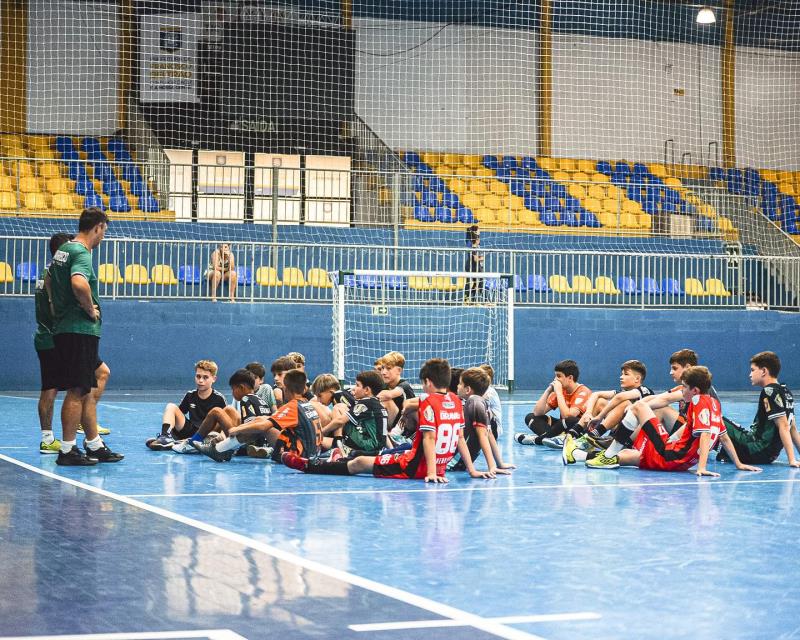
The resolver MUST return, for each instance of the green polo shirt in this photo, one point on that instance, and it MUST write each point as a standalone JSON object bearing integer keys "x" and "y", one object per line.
{"x": 71, "y": 259}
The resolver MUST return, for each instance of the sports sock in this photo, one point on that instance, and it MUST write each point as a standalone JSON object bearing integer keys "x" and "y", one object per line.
{"x": 579, "y": 455}
{"x": 614, "y": 448}
{"x": 622, "y": 434}
{"x": 629, "y": 421}
{"x": 228, "y": 443}
{"x": 66, "y": 445}
{"x": 165, "y": 428}
{"x": 338, "y": 468}
{"x": 47, "y": 436}
{"x": 94, "y": 445}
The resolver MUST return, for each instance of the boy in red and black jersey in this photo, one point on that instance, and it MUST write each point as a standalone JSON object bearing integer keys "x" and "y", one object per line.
{"x": 440, "y": 434}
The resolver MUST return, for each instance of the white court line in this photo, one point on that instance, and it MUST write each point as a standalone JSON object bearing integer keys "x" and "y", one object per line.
{"x": 431, "y": 624}
{"x": 209, "y": 634}
{"x": 447, "y": 489}
{"x": 13, "y": 447}
{"x": 437, "y": 608}
{"x": 102, "y": 404}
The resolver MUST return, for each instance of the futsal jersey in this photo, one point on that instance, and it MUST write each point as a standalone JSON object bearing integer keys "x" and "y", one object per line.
{"x": 440, "y": 413}
{"x": 761, "y": 443}
{"x": 300, "y": 429}
{"x": 367, "y": 427}
{"x": 345, "y": 397}
{"x": 704, "y": 415}
{"x": 197, "y": 408}
{"x": 252, "y": 407}
{"x": 477, "y": 415}
{"x": 43, "y": 338}
{"x": 578, "y": 398}
{"x": 408, "y": 392}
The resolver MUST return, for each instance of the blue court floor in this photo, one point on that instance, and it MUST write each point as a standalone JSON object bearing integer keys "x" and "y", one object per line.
{"x": 169, "y": 546}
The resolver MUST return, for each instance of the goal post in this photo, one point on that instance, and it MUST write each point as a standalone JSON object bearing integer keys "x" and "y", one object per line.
{"x": 465, "y": 317}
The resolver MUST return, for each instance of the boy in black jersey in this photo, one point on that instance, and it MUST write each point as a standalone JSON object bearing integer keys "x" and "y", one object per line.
{"x": 361, "y": 426}
{"x": 397, "y": 390}
{"x": 181, "y": 421}
{"x": 774, "y": 428}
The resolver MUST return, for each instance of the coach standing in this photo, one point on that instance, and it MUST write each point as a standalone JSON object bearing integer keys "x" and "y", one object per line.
{"x": 76, "y": 309}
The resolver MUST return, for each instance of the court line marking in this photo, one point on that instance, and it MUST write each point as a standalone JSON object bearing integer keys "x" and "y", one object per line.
{"x": 431, "y": 624}
{"x": 207, "y": 634}
{"x": 13, "y": 448}
{"x": 421, "y": 602}
{"x": 447, "y": 489}
{"x": 102, "y": 404}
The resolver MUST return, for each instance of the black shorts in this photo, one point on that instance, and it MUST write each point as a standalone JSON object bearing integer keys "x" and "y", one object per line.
{"x": 188, "y": 431}
{"x": 78, "y": 359}
{"x": 48, "y": 368}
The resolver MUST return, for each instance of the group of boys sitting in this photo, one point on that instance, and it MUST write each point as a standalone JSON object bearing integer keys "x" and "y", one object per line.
{"x": 378, "y": 426}
{"x": 634, "y": 426}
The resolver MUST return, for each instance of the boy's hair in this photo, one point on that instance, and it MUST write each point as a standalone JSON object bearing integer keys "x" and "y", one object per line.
{"x": 476, "y": 379}
{"x": 90, "y": 218}
{"x": 378, "y": 363}
{"x": 437, "y": 370}
{"x": 257, "y": 369}
{"x": 684, "y": 357}
{"x": 455, "y": 378}
{"x": 207, "y": 365}
{"x": 297, "y": 357}
{"x": 284, "y": 363}
{"x": 637, "y": 366}
{"x": 243, "y": 377}
{"x": 488, "y": 370}
{"x": 393, "y": 359}
{"x": 699, "y": 377}
{"x": 472, "y": 233}
{"x": 295, "y": 382}
{"x": 325, "y": 382}
{"x": 57, "y": 239}
{"x": 568, "y": 368}
{"x": 769, "y": 361}
{"x": 371, "y": 380}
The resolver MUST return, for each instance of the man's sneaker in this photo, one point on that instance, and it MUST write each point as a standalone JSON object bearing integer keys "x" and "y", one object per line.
{"x": 568, "y": 450}
{"x": 525, "y": 438}
{"x": 53, "y": 448}
{"x": 599, "y": 443}
{"x": 101, "y": 431}
{"x": 184, "y": 446}
{"x": 75, "y": 458}
{"x": 103, "y": 454}
{"x": 600, "y": 461}
{"x": 556, "y": 442}
{"x": 254, "y": 451}
{"x": 294, "y": 460}
{"x": 160, "y": 443}
{"x": 583, "y": 443}
{"x": 210, "y": 449}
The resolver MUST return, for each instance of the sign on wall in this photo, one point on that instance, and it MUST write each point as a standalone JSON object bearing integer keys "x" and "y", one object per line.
{"x": 168, "y": 57}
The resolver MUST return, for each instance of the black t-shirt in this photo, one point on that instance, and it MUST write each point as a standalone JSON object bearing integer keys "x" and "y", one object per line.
{"x": 408, "y": 392}
{"x": 197, "y": 408}
{"x": 345, "y": 397}
{"x": 252, "y": 407}
{"x": 775, "y": 401}
{"x": 683, "y": 407}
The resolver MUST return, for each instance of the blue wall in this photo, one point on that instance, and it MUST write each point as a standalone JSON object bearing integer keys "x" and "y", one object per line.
{"x": 152, "y": 345}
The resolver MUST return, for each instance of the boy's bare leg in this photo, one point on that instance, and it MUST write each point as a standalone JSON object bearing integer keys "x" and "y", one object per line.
{"x": 323, "y": 412}
{"x": 219, "y": 419}
{"x": 361, "y": 464}
{"x": 47, "y": 399}
{"x": 629, "y": 457}
{"x": 173, "y": 417}
{"x": 391, "y": 409}
{"x": 668, "y": 417}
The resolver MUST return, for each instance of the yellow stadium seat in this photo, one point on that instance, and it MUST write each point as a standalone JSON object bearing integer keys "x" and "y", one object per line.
{"x": 493, "y": 201}
{"x": 548, "y": 164}
{"x": 580, "y": 176}
{"x": 769, "y": 174}
{"x": 605, "y": 285}
{"x": 561, "y": 176}
{"x": 582, "y": 284}
{"x": 471, "y": 160}
{"x": 600, "y": 177}
{"x": 319, "y": 278}
{"x": 529, "y": 218}
{"x": 598, "y": 191}
{"x": 444, "y": 170}
{"x": 35, "y": 201}
{"x": 645, "y": 220}
{"x": 63, "y": 202}
{"x": 7, "y": 200}
{"x": 293, "y": 277}
{"x": 109, "y": 274}
{"x": 485, "y": 216}
{"x": 43, "y": 153}
{"x": 715, "y": 287}
{"x": 612, "y": 191}
{"x": 631, "y": 206}
{"x": 463, "y": 170}
{"x": 559, "y": 284}
{"x": 442, "y": 283}
{"x": 628, "y": 221}
{"x": 611, "y": 206}
{"x": 658, "y": 170}
{"x": 693, "y": 287}
{"x": 6, "y": 183}
{"x": 29, "y": 185}
{"x": 451, "y": 158}
{"x": 136, "y": 274}
{"x": 163, "y": 274}
{"x": 483, "y": 172}
{"x": 457, "y": 185}
{"x": 593, "y": 204}
{"x": 420, "y": 283}
{"x": 471, "y": 200}
{"x": 787, "y": 188}
{"x": 498, "y": 188}
{"x": 6, "y": 273}
{"x": 725, "y": 224}
{"x": 673, "y": 182}
{"x": 59, "y": 185}
{"x": 22, "y": 168}
{"x": 478, "y": 186}
{"x": 567, "y": 164}
{"x": 49, "y": 170}
{"x": 577, "y": 191}
{"x": 784, "y": 176}
{"x": 516, "y": 203}
{"x": 587, "y": 166}
{"x": 267, "y": 277}
{"x": 431, "y": 158}
{"x": 607, "y": 219}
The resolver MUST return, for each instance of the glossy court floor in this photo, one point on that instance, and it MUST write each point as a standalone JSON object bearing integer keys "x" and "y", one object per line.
{"x": 169, "y": 546}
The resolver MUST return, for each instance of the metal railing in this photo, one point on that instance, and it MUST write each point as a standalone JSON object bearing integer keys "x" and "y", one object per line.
{"x": 176, "y": 270}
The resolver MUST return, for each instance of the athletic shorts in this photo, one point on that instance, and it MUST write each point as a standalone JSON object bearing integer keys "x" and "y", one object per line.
{"x": 78, "y": 358}
{"x": 188, "y": 431}
{"x": 407, "y": 465}
{"x": 655, "y": 451}
{"x": 48, "y": 368}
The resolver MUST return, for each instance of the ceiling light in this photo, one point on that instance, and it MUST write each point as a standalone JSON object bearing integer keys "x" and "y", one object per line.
{"x": 706, "y": 16}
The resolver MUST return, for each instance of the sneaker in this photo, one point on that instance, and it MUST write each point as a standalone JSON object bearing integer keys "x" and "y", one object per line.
{"x": 160, "y": 443}
{"x": 336, "y": 454}
{"x": 254, "y": 451}
{"x": 294, "y": 460}
{"x": 583, "y": 443}
{"x": 600, "y": 461}
{"x": 599, "y": 443}
{"x": 75, "y": 458}
{"x": 103, "y": 454}
{"x": 568, "y": 449}
{"x": 54, "y": 447}
{"x": 556, "y": 442}
{"x": 101, "y": 431}
{"x": 525, "y": 438}
{"x": 210, "y": 450}
{"x": 184, "y": 446}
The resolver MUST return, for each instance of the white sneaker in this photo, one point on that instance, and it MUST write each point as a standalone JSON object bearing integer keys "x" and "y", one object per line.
{"x": 556, "y": 442}
{"x": 525, "y": 438}
{"x": 184, "y": 446}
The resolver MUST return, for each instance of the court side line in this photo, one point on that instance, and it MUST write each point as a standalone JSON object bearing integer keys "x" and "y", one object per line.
{"x": 103, "y": 404}
{"x": 447, "y": 489}
{"x": 208, "y": 634}
{"x": 438, "y": 608}
{"x": 431, "y": 624}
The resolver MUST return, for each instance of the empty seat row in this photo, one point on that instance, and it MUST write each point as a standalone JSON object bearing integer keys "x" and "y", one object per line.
{"x": 163, "y": 274}
{"x": 627, "y": 285}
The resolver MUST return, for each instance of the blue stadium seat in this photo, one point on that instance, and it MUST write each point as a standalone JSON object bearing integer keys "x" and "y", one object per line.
{"x": 504, "y": 174}
{"x": 533, "y": 203}
{"x": 189, "y": 274}
{"x": 537, "y": 282}
{"x": 651, "y": 208}
{"x": 517, "y": 188}
{"x": 529, "y": 163}
{"x": 395, "y": 282}
{"x": 139, "y": 189}
{"x": 627, "y": 285}
{"x": 735, "y": 181}
{"x": 64, "y": 144}
{"x": 649, "y": 286}
{"x": 93, "y": 200}
{"x": 539, "y": 188}
{"x": 90, "y": 144}
{"x": 672, "y": 196}
{"x": 244, "y": 276}
{"x": 368, "y": 282}
{"x": 444, "y": 214}
{"x": 668, "y": 207}
{"x": 558, "y": 190}
{"x": 716, "y": 174}
{"x": 437, "y": 184}
{"x": 412, "y": 157}
{"x": 549, "y": 218}
{"x": 417, "y": 183}
{"x": 520, "y": 284}
{"x": 84, "y": 186}
{"x": 131, "y": 173}
{"x": 450, "y": 199}
{"x": 423, "y": 214}
{"x": 103, "y": 171}
{"x": 570, "y": 219}
{"x": 76, "y": 171}
{"x": 490, "y": 162}
{"x": 510, "y": 162}
{"x": 27, "y": 271}
{"x": 119, "y": 203}
{"x": 604, "y": 166}
{"x": 703, "y": 225}
{"x": 113, "y": 188}
{"x": 640, "y": 169}
{"x": 430, "y": 199}
{"x": 671, "y": 287}
{"x": 541, "y": 174}
{"x": 149, "y": 204}
{"x": 553, "y": 205}
{"x": 635, "y": 193}
{"x": 464, "y": 215}
{"x": 116, "y": 144}
{"x": 572, "y": 205}
{"x": 622, "y": 167}
{"x": 523, "y": 173}
{"x": 590, "y": 220}
{"x": 790, "y": 225}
